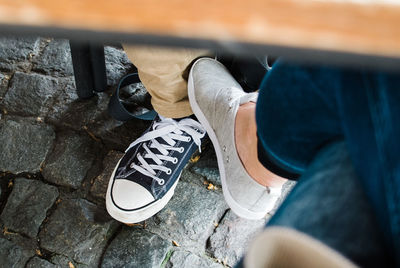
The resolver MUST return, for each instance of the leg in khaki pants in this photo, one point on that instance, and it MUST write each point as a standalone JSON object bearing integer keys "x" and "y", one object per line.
{"x": 145, "y": 178}
{"x": 164, "y": 71}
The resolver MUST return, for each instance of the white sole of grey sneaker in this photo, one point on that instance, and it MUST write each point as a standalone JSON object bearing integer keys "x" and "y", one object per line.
{"x": 235, "y": 206}
{"x": 140, "y": 214}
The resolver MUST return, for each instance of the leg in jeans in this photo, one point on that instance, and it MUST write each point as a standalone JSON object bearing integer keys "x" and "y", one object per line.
{"x": 302, "y": 109}
{"x": 328, "y": 203}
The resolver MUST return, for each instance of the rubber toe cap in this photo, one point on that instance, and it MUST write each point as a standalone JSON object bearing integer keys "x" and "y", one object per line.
{"x": 129, "y": 195}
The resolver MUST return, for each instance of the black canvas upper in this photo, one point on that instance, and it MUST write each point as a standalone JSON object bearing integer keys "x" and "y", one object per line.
{"x": 124, "y": 170}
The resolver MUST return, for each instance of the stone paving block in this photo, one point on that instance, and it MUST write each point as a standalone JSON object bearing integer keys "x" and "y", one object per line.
{"x": 14, "y": 254}
{"x": 37, "y": 262}
{"x": 3, "y": 86}
{"x": 134, "y": 247}
{"x": 69, "y": 111}
{"x": 62, "y": 261}
{"x": 117, "y": 64}
{"x": 77, "y": 230}
{"x": 190, "y": 216}
{"x": 70, "y": 160}
{"x": 99, "y": 186}
{"x": 65, "y": 105}
{"x": 191, "y": 177}
{"x": 15, "y": 52}
{"x": 207, "y": 166}
{"x": 31, "y": 94}
{"x": 55, "y": 59}
{"x": 182, "y": 258}
{"x": 27, "y": 206}
{"x": 24, "y": 144}
{"x": 116, "y": 134}
{"x": 232, "y": 236}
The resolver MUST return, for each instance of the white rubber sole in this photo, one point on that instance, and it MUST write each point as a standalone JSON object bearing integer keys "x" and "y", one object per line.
{"x": 235, "y": 206}
{"x": 137, "y": 215}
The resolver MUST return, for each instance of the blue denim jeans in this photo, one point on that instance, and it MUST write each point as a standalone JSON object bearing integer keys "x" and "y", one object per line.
{"x": 338, "y": 130}
{"x": 328, "y": 203}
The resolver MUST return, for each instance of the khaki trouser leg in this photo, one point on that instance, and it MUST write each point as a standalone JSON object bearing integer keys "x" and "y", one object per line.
{"x": 164, "y": 72}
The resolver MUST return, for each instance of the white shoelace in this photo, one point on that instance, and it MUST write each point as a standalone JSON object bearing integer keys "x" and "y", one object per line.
{"x": 170, "y": 131}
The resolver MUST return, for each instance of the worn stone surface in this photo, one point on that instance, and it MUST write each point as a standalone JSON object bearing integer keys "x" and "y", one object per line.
{"x": 181, "y": 258}
{"x": 31, "y": 94}
{"x": 3, "y": 86}
{"x": 37, "y": 262}
{"x": 117, "y": 64}
{"x": 135, "y": 247}
{"x": 55, "y": 59}
{"x": 27, "y": 206}
{"x": 192, "y": 225}
{"x": 67, "y": 105}
{"x": 207, "y": 166}
{"x": 15, "y": 52}
{"x": 38, "y": 98}
{"x": 232, "y": 237}
{"x": 116, "y": 134}
{"x": 13, "y": 255}
{"x": 99, "y": 186}
{"x": 79, "y": 230}
{"x": 62, "y": 261}
{"x": 71, "y": 112}
{"x": 24, "y": 144}
{"x": 70, "y": 160}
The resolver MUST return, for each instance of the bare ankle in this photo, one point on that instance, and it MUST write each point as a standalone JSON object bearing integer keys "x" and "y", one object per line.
{"x": 246, "y": 146}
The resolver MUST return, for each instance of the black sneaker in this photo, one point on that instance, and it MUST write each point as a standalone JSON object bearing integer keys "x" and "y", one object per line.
{"x": 145, "y": 178}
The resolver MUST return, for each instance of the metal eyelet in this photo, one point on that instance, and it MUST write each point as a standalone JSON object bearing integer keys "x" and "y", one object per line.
{"x": 169, "y": 171}
{"x": 131, "y": 165}
{"x": 189, "y": 139}
{"x": 161, "y": 182}
{"x": 181, "y": 149}
{"x": 175, "y": 160}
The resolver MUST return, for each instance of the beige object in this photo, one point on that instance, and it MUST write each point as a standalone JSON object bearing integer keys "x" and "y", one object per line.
{"x": 284, "y": 247}
{"x": 358, "y": 26}
{"x": 164, "y": 72}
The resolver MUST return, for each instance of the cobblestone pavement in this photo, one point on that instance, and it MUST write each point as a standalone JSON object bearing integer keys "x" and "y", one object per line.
{"x": 57, "y": 153}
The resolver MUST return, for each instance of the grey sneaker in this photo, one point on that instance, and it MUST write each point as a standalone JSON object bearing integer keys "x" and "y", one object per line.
{"x": 215, "y": 97}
